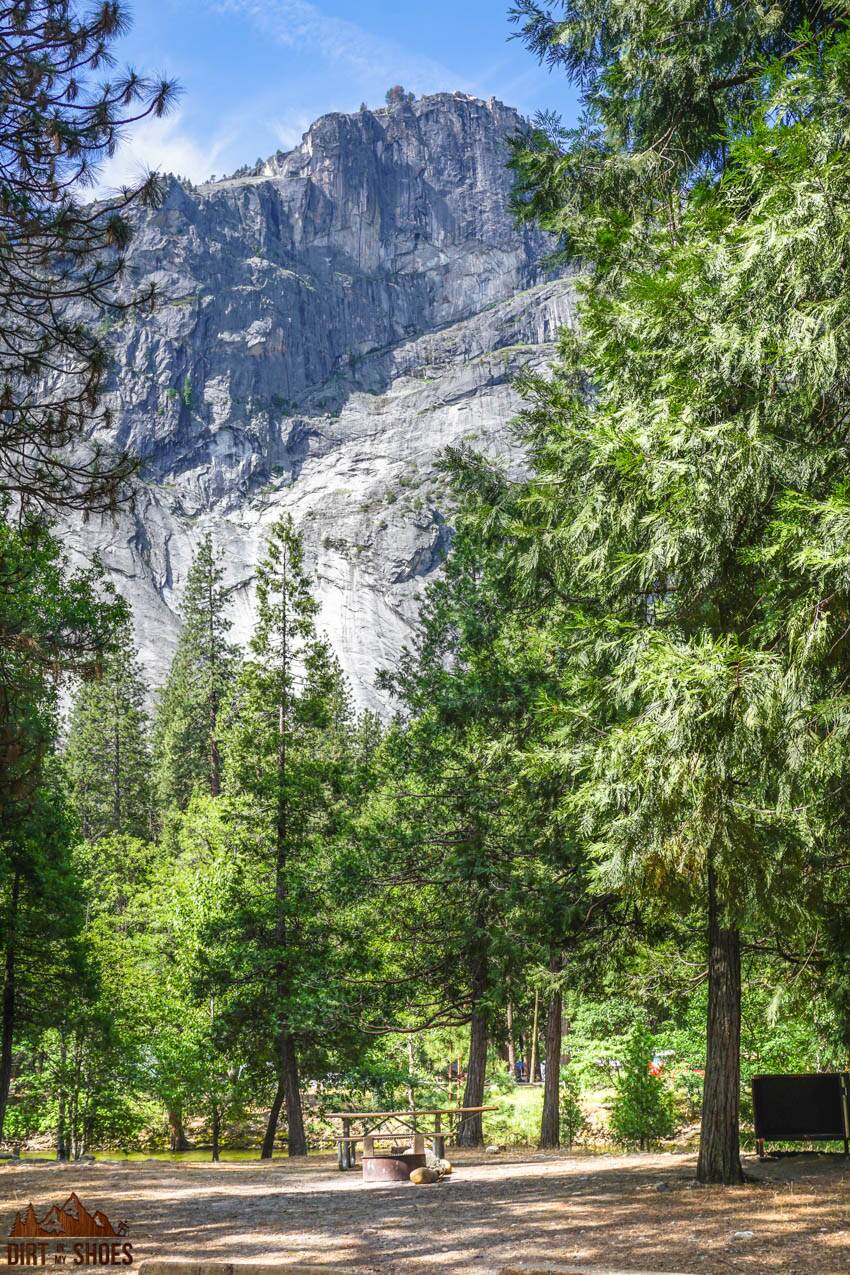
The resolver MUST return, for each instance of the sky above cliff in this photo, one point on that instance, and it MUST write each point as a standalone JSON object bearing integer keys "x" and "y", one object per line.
{"x": 256, "y": 73}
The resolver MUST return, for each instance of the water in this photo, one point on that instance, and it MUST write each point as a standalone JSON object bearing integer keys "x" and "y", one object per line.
{"x": 177, "y": 1157}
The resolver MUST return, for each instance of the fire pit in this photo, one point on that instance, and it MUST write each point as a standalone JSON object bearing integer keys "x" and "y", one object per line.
{"x": 391, "y": 1168}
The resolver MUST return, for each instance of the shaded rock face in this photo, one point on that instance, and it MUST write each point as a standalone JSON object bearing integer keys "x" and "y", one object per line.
{"x": 325, "y": 329}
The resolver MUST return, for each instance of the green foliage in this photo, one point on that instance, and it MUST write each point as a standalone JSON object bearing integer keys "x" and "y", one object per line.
{"x": 642, "y": 1110}
{"x": 663, "y": 89}
{"x": 107, "y": 752}
{"x": 397, "y": 96}
{"x": 186, "y": 732}
{"x": 63, "y": 256}
{"x": 572, "y": 1118}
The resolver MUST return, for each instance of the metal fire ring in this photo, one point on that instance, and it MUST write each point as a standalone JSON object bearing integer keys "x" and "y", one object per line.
{"x": 391, "y": 1168}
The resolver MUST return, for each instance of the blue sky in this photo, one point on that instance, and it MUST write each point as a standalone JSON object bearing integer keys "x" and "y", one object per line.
{"x": 256, "y": 73}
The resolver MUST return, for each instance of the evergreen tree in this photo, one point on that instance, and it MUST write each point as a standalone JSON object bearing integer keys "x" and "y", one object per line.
{"x": 642, "y": 1111}
{"x": 62, "y": 260}
{"x": 107, "y": 752}
{"x": 187, "y": 727}
{"x": 286, "y": 762}
{"x": 54, "y": 625}
{"x": 684, "y": 510}
{"x": 572, "y": 1117}
{"x": 41, "y": 906}
{"x": 470, "y": 830}
{"x": 662, "y": 89}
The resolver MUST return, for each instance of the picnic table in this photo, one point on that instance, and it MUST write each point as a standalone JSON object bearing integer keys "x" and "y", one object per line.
{"x": 373, "y": 1128}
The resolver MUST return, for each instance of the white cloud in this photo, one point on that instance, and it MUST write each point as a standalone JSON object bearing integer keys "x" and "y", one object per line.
{"x": 301, "y": 24}
{"x": 165, "y": 145}
{"x": 290, "y": 128}
{"x": 367, "y": 65}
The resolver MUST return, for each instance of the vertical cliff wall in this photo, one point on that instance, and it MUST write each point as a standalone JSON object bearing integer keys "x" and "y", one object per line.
{"x": 326, "y": 326}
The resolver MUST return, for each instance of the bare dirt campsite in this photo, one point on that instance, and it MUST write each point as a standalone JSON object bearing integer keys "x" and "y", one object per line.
{"x": 519, "y": 1209}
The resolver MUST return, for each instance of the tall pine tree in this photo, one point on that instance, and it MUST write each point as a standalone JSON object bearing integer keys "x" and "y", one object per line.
{"x": 108, "y": 749}
{"x": 285, "y": 778}
{"x": 186, "y": 728}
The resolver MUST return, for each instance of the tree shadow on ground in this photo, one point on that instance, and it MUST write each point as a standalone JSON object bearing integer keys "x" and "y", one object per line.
{"x": 637, "y": 1213}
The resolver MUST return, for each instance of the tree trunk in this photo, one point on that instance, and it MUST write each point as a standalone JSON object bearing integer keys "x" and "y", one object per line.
{"x": 532, "y": 1065}
{"x": 471, "y": 1132}
{"x": 411, "y": 1097}
{"x": 550, "y": 1124}
{"x": 288, "y": 1093}
{"x": 511, "y": 1046}
{"x": 61, "y": 1129}
{"x": 177, "y": 1139}
{"x": 215, "y": 755}
{"x": 296, "y": 1138}
{"x": 216, "y": 1132}
{"x": 267, "y": 1149}
{"x": 7, "y": 1027}
{"x": 719, "y": 1153}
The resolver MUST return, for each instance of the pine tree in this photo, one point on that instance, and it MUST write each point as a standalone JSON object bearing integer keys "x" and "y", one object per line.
{"x": 642, "y": 1111}
{"x": 464, "y": 823}
{"x": 62, "y": 260}
{"x": 41, "y": 916}
{"x": 287, "y": 752}
{"x": 187, "y": 750}
{"x": 572, "y": 1120}
{"x": 686, "y": 511}
{"x": 108, "y": 751}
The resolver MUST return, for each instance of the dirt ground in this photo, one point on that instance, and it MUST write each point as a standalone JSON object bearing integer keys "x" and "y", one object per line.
{"x": 638, "y": 1212}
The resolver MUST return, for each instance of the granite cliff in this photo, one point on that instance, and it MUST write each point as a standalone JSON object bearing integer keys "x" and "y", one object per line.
{"x": 326, "y": 326}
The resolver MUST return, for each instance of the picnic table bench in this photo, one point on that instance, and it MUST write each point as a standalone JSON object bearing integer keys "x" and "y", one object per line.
{"x": 373, "y": 1128}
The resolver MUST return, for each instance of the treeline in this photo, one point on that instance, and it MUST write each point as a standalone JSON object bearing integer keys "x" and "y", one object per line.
{"x": 257, "y": 902}
{"x": 259, "y": 886}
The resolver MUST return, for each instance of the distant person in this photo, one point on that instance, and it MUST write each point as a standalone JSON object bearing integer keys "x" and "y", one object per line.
{"x": 520, "y": 1070}
{"x": 543, "y": 1073}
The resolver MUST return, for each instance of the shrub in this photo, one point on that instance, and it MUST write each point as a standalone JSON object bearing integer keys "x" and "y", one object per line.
{"x": 642, "y": 1112}
{"x": 573, "y": 1120}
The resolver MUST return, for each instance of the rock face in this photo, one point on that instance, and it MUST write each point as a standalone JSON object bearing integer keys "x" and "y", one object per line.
{"x": 325, "y": 328}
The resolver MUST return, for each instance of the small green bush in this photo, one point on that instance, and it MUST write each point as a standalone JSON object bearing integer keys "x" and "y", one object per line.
{"x": 573, "y": 1121}
{"x": 642, "y": 1112}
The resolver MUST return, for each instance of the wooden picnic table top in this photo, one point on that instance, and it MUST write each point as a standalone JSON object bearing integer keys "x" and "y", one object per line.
{"x": 419, "y": 1111}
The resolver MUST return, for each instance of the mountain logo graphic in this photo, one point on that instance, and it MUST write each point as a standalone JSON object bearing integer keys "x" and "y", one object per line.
{"x": 71, "y": 1220}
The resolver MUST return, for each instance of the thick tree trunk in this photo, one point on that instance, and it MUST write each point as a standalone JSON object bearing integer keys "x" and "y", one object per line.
{"x": 550, "y": 1124}
{"x": 471, "y": 1132}
{"x": 177, "y": 1139}
{"x": 216, "y": 1132}
{"x": 296, "y": 1138}
{"x": 719, "y": 1153}
{"x": 288, "y": 1094}
{"x": 7, "y": 1017}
